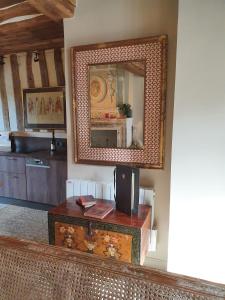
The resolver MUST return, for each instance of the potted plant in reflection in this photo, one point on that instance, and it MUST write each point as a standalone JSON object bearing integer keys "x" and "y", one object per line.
{"x": 125, "y": 110}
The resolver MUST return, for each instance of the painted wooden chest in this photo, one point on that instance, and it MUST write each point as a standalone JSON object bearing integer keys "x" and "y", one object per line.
{"x": 117, "y": 236}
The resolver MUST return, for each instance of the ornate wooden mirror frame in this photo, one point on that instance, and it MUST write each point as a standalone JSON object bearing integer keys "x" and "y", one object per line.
{"x": 153, "y": 51}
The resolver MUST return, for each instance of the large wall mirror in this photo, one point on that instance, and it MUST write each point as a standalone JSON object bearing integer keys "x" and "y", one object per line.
{"x": 119, "y": 102}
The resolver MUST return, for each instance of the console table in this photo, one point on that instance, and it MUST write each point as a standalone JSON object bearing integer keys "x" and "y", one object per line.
{"x": 117, "y": 236}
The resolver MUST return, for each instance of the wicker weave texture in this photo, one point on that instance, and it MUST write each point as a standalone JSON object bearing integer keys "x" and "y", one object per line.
{"x": 26, "y": 275}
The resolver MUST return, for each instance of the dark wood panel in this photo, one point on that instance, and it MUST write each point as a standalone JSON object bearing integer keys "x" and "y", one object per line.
{"x": 6, "y": 3}
{"x": 43, "y": 69}
{"x": 21, "y": 9}
{"x": 13, "y": 185}
{"x": 37, "y": 184}
{"x": 30, "y": 35}
{"x": 55, "y": 10}
{"x": 57, "y": 182}
{"x": 4, "y": 99}
{"x": 17, "y": 91}
{"x": 59, "y": 67}
{"x": 47, "y": 185}
{"x": 30, "y": 75}
{"x": 12, "y": 164}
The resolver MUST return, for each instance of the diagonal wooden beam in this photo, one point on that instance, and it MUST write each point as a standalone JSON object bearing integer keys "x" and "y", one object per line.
{"x": 21, "y": 9}
{"x": 6, "y": 3}
{"x": 55, "y": 10}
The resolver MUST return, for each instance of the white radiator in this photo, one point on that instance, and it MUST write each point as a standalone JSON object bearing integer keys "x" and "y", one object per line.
{"x": 76, "y": 187}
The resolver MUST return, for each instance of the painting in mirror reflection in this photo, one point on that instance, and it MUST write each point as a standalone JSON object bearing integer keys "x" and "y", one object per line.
{"x": 116, "y": 95}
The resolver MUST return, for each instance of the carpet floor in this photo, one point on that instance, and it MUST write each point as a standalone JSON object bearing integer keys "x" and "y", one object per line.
{"x": 24, "y": 223}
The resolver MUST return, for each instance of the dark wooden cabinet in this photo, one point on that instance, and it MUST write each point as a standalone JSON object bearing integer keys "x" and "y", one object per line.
{"x": 11, "y": 164}
{"x": 57, "y": 181}
{"x": 13, "y": 177}
{"x": 46, "y": 182}
{"x": 33, "y": 179}
{"x": 37, "y": 184}
{"x": 13, "y": 185}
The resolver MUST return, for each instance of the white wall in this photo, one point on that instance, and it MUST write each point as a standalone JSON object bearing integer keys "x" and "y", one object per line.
{"x": 197, "y": 222}
{"x": 101, "y": 21}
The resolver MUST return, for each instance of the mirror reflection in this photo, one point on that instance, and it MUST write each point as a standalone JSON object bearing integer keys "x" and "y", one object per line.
{"x": 116, "y": 96}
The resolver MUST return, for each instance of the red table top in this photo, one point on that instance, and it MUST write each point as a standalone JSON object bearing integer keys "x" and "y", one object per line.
{"x": 70, "y": 208}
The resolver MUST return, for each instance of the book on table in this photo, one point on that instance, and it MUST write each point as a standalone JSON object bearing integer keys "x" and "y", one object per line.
{"x": 86, "y": 201}
{"x": 99, "y": 211}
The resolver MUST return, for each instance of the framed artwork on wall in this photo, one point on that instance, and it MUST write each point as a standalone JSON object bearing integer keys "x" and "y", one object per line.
{"x": 44, "y": 108}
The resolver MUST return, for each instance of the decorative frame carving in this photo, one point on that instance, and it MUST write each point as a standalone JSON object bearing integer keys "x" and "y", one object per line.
{"x": 154, "y": 51}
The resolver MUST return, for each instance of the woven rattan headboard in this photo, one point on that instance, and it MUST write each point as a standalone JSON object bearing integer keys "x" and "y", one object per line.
{"x": 40, "y": 272}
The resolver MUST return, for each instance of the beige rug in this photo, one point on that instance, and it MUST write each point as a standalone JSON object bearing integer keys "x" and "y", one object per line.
{"x": 24, "y": 223}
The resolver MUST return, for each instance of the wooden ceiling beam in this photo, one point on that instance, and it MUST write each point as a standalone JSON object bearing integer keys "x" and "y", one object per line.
{"x": 21, "y": 9}
{"x": 137, "y": 68}
{"x": 55, "y": 10}
{"x": 6, "y": 3}
{"x": 43, "y": 45}
{"x": 30, "y": 35}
